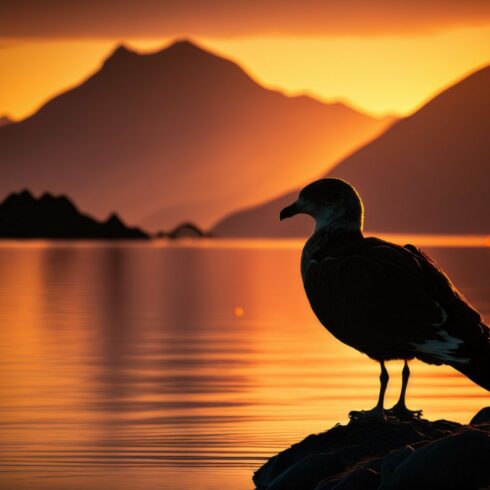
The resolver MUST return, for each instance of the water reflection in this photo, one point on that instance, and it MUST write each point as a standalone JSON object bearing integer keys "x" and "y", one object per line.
{"x": 127, "y": 363}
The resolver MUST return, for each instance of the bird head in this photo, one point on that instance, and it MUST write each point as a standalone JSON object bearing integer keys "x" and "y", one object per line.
{"x": 333, "y": 203}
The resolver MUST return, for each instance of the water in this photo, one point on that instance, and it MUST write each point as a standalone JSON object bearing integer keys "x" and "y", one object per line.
{"x": 163, "y": 366}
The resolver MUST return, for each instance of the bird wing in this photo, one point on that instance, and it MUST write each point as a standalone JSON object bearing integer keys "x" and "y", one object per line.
{"x": 440, "y": 286}
{"x": 472, "y": 353}
{"x": 375, "y": 300}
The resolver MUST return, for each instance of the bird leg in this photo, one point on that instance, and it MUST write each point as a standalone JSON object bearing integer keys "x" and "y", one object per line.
{"x": 400, "y": 410}
{"x": 377, "y": 411}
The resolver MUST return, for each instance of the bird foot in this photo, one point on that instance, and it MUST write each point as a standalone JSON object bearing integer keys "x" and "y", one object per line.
{"x": 376, "y": 413}
{"x": 401, "y": 412}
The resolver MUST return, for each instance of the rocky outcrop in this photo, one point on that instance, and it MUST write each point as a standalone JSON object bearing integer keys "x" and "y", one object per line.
{"x": 184, "y": 230}
{"x": 56, "y": 217}
{"x": 386, "y": 454}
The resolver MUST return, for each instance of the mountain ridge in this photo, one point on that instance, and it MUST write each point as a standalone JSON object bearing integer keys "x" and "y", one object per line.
{"x": 152, "y": 134}
{"x": 4, "y": 120}
{"x": 429, "y": 167}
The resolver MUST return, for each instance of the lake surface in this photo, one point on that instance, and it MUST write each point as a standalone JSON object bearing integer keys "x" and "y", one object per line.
{"x": 176, "y": 366}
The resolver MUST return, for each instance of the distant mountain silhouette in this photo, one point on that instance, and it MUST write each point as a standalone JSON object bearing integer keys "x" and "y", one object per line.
{"x": 24, "y": 216}
{"x": 4, "y": 120}
{"x": 177, "y": 134}
{"x": 184, "y": 230}
{"x": 429, "y": 173}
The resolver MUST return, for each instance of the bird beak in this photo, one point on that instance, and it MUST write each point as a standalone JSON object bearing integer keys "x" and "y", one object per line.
{"x": 289, "y": 211}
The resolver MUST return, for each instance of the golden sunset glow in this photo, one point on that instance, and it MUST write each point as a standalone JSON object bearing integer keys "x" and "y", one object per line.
{"x": 34, "y": 72}
{"x": 380, "y": 75}
{"x": 219, "y": 220}
{"x": 385, "y": 74}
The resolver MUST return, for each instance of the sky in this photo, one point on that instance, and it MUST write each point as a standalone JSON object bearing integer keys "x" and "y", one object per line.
{"x": 382, "y": 57}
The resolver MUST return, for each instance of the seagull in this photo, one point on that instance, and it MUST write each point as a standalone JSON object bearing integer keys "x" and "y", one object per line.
{"x": 389, "y": 302}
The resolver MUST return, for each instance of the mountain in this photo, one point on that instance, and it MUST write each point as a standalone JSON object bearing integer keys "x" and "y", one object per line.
{"x": 4, "y": 120}
{"x": 175, "y": 135}
{"x": 184, "y": 230}
{"x": 428, "y": 173}
{"x": 24, "y": 216}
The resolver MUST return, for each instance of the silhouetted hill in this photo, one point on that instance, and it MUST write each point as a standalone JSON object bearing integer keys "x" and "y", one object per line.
{"x": 4, "y": 120}
{"x": 184, "y": 230}
{"x": 24, "y": 216}
{"x": 428, "y": 173}
{"x": 177, "y": 133}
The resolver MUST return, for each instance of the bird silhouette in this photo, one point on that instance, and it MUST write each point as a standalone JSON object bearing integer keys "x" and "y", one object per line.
{"x": 387, "y": 301}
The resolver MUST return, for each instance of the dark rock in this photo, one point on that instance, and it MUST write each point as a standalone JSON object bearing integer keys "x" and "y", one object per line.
{"x": 307, "y": 472}
{"x": 184, "y": 230}
{"x": 389, "y": 454}
{"x": 393, "y": 459}
{"x": 457, "y": 461}
{"x": 362, "y": 477}
{"x": 24, "y": 216}
{"x": 482, "y": 417}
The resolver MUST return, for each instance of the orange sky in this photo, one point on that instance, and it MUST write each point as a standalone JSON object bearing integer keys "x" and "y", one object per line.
{"x": 388, "y": 58}
{"x": 109, "y": 19}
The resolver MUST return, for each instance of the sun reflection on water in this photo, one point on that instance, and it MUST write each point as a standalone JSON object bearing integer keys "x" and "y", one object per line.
{"x": 123, "y": 364}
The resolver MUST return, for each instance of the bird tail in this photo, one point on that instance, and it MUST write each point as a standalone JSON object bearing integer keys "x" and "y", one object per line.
{"x": 478, "y": 367}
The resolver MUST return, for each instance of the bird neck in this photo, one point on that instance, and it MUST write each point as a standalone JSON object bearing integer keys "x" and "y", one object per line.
{"x": 329, "y": 238}
{"x": 331, "y": 220}
{"x": 327, "y": 242}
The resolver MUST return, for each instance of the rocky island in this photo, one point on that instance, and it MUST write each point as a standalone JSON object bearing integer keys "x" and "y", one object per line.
{"x": 390, "y": 454}
{"x": 24, "y": 216}
{"x": 184, "y": 230}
